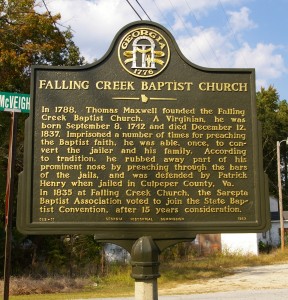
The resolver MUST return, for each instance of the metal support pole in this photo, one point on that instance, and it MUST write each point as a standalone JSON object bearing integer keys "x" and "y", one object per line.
{"x": 145, "y": 268}
{"x": 282, "y": 234}
{"x": 9, "y": 203}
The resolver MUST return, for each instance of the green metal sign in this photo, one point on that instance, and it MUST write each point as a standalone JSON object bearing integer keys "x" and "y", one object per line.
{"x": 142, "y": 143}
{"x": 14, "y": 102}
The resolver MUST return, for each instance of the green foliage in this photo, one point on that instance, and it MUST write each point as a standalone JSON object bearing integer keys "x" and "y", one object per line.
{"x": 83, "y": 253}
{"x": 70, "y": 255}
{"x": 178, "y": 252}
{"x": 264, "y": 247}
{"x": 28, "y": 37}
{"x": 273, "y": 115}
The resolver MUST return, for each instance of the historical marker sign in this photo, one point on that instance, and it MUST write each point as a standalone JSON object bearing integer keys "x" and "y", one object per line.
{"x": 143, "y": 142}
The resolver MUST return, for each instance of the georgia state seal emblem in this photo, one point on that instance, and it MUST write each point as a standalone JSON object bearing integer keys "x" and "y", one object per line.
{"x": 143, "y": 52}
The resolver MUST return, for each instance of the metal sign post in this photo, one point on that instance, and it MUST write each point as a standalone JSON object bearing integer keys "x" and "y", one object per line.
{"x": 9, "y": 202}
{"x": 145, "y": 268}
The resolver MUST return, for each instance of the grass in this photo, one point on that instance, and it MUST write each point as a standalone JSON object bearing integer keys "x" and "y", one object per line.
{"x": 118, "y": 282}
{"x": 215, "y": 266}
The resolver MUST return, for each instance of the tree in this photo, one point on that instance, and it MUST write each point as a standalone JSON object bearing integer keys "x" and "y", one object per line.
{"x": 27, "y": 37}
{"x": 273, "y": 115}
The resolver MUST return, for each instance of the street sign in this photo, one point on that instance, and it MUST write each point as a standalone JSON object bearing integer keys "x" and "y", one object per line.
{"x": 14, "y": 102}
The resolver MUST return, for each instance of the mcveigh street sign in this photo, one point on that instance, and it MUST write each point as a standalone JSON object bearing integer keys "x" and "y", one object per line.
{"x": 14, "y": 102}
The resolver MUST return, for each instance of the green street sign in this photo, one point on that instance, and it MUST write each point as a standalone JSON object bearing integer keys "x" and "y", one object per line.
{"x": 14, "y": 102}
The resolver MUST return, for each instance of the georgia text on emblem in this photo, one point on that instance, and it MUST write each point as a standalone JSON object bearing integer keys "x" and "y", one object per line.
{"x": 143, "y": 52}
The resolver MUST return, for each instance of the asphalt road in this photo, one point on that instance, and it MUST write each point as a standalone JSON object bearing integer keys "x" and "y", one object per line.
{"x": 237, "y": 295}
{"x": 275, "y": 294}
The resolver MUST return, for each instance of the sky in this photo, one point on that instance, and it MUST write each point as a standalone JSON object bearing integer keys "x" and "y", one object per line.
{"x": 210, "y": 33}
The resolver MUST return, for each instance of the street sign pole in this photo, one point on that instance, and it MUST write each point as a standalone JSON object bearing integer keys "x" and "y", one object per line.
{"x": 9, "y": 202}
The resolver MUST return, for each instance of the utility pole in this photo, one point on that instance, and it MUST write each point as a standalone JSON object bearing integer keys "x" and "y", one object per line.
{"x": 282, "y": 234}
